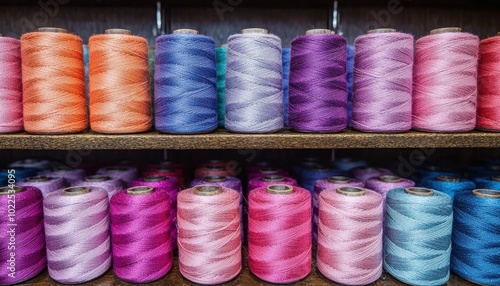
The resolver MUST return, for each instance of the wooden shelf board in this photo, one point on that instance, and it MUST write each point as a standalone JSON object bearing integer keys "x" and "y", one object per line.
{"x": 222, "y": 139}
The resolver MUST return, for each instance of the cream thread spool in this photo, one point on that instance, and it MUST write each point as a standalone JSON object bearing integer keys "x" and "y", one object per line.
{"x": 421, "y": 192}
{"x": 273, "y": 178}
{"x": 351, "y": 191}
{"x": 139, "y": 191}
{"x": 279, "y": 189}
{"x": 339, "y": 180}
{"x": 485, "y": 193}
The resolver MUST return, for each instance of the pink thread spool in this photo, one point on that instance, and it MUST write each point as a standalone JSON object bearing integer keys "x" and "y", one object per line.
{"x": 139, "y": 221}
{"x": 279, "y": 233}
{"x": 445, "y": 81}
{"x": 77, "y": 234}
{"x": 112, "y": 186}
{"x": 165, "y": 171}
{"x": 270, "y": 180}
{"x": 45, "y": 184}
{"x": 11, "y": 90}
{"x": 268, "y": 171}
{"x": 209, "y": 234}
{"x": 350, "y": 235}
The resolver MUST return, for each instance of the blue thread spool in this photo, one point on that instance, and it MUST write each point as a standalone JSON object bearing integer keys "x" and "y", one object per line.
{"x": 310, "y": 176}
{"x": 185, "y": 83}
{"x": 476, "y": 236}
{"x": 417, "y": 251}
{"x": 19, "y": 173}
{"x": 491, "y": 170}
{"x": 346, "y": 164}
{"x": 432, "y": 171}
{"x": 448, "y": 185}
{"x": 286, "y": 54}
{"x": 491, "y": 183}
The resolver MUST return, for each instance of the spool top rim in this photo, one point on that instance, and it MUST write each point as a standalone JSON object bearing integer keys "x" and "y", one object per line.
{"x": 5, "y": 190}
{"x": 496, "y": 178}
{"x": 38, "y": 179}
{"x": 116, "y": 169}
{"x": 140, "y": 190}
{"x": 214, "y": 167}
{"x": 156, "y": 178}
{"x": 445, "y": 30}
{"x": 279, "y": 189}
{"x": 268, "y": 170}
{"x": 116, "y": 31}
{"x": 97, "y": 178}
{"x": 485, "y": 193}
{"x": 164, "y": 169}
{"x": 448, "y": 179}
{"x": 214, "y": 179}
{"x": 185, "y": 31}
{"x": 339, "y": 179}
{"x": 273, "y": 178}
{"x": 319, "y": 31}
{"x": 351, "y": 191}
{"x": 52, "y": 30}
{"x": 254, "y": 30}
{"x": 207, "y": 190}
{"x": 75, "y": 191}
{"x": 418, "y": 191}
{"x": 381, "y": 30}
{"x": 390, "y": 179}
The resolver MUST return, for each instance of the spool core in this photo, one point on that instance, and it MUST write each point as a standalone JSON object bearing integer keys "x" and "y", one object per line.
{"x": 5, "y": 190}
{"x": 421, "y": 192}
{"x": 496, "y": 178}
{"x": 339, "y": 180}
{"x": 280, "y": 189}
{"x": 214, "y": 179}
{"x": 207, "y": 190}
{"x": 35, "y": 179}
{"x": 381, "y": 30}
{"x": 319, "y": 31}
{"x": 351, "y": 191}
{"x": 154, "y": 178}
{"x": 273, "y": 179}
{"x": 446, "y": 30}
{"x": 185, "y": 31}
{"x": 74, "y": 191}
{"x": 52, "y": 30}
{"x": 448, "y": 179}
{"x": 137, "y": 191}
{"x": 390, "y": 179}
{"x": 97, "y": 178}
{"x": 255, "y": 30}
{"x": 268, "y": 170}
{"x": 118, "y": 32}
{"x": 484, "y": 193}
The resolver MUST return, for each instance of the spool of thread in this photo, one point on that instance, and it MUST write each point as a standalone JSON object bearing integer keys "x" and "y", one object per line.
{"x": 306, "y": 165}
{"x": 77, "y": 234}
{"x": 383, "y": 78}
{"x": 433, "y": 172}
{"x": 11, "y": 87}
{"x": 285, "y": 59}
{"x": 69, "y": 176}
{"x": 350, "y": 73}
{"x": 52, "y": 105}
{"x": 21, "y": 173}
{"x": 262, "y": 182}
{"x": 445, "y": 81}
{"x": 309, "y": 176}
{"x": 171, "y": 186}
{"x": 210, "y": 171}
{"x": 488, "y": 97}
{"x": 383, "y": 184}
{"x": 25, "y": 226}
{"x": 350, "y": 235}
{"x": 120, "y": 100}
{"x": 185, "y": 83}
{"x": 448, "y": 185}
{"x": 418, "y": 232}
{"x": 279, "y": 233}
{"x": 489, "y": 183}
{"x": 229, "y": 166}
{"x": 475, "y": 236}
{"x": 365, "y": 173}
{"x": 151, "y": 66}
{"x": 253, "y": 168}
{"x": 254, "y": 82}
{"x": 165, "y": 171}
{"x": 347, "y": 164}
{"x": 111, "y": 185}
{"x": 139, "y": 220}
{"x": 474, "y": 172}
{"x": 268, "y": 171}
{"x": 123, "y": 173}
{"x": 318, "y": 68}
{"x": 171, "y": 164}
{"x": 31, "y": 163}
{"x": 220, "y": 66}
{"x": 45, "y": 184}
{"x": 209, "y": 234}
{"x": 321, "y": 185}
{"x": 86, "y": 62}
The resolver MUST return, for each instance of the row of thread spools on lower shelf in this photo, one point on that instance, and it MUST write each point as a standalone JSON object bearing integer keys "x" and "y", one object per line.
{"x": 446, "y": 82}
{"x": 79, "y": 227}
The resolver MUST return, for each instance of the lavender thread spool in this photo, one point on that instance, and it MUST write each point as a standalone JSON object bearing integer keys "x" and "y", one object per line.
{"x": 44, "y": 183}
{"x": 112, "y": 186}
{"x": 318, "y": 82}
{"x": 383, "y": 77}
{"x": 254, "y": 83}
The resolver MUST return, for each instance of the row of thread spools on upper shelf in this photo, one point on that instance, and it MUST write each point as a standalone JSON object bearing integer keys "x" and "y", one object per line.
{"x": 447, "y": 82}
{"x": 416, "y": 230}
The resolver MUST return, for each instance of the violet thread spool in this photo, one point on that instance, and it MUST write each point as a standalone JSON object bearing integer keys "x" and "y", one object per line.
{"x": 45, "y": 184}
{"x": 383, "y": 78}
{"x": 318, "y": 82}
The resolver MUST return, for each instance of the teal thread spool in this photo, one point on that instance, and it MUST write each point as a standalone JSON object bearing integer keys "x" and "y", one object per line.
{"x": 220, "y": 65}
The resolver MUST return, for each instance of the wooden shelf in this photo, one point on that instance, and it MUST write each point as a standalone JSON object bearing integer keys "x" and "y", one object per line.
{"x": 222, "y": 139}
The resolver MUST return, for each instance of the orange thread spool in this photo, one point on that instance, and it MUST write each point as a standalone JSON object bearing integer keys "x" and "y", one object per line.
{"x": 53, "y": 82}
{"x": 120, "y": 100}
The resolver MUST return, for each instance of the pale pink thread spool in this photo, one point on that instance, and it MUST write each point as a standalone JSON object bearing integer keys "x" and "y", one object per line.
{"x": 209, "y": 234}
{"x": 350, "y": 235}
{"x": 11, "y": 90}
{"x": 445, "y": 81}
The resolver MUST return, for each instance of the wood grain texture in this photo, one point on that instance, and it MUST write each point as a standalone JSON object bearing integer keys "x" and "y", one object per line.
{"x": 223, "y": 139}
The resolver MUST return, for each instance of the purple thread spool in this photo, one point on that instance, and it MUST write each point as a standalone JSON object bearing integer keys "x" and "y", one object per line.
{"x": 318, "y": 82}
